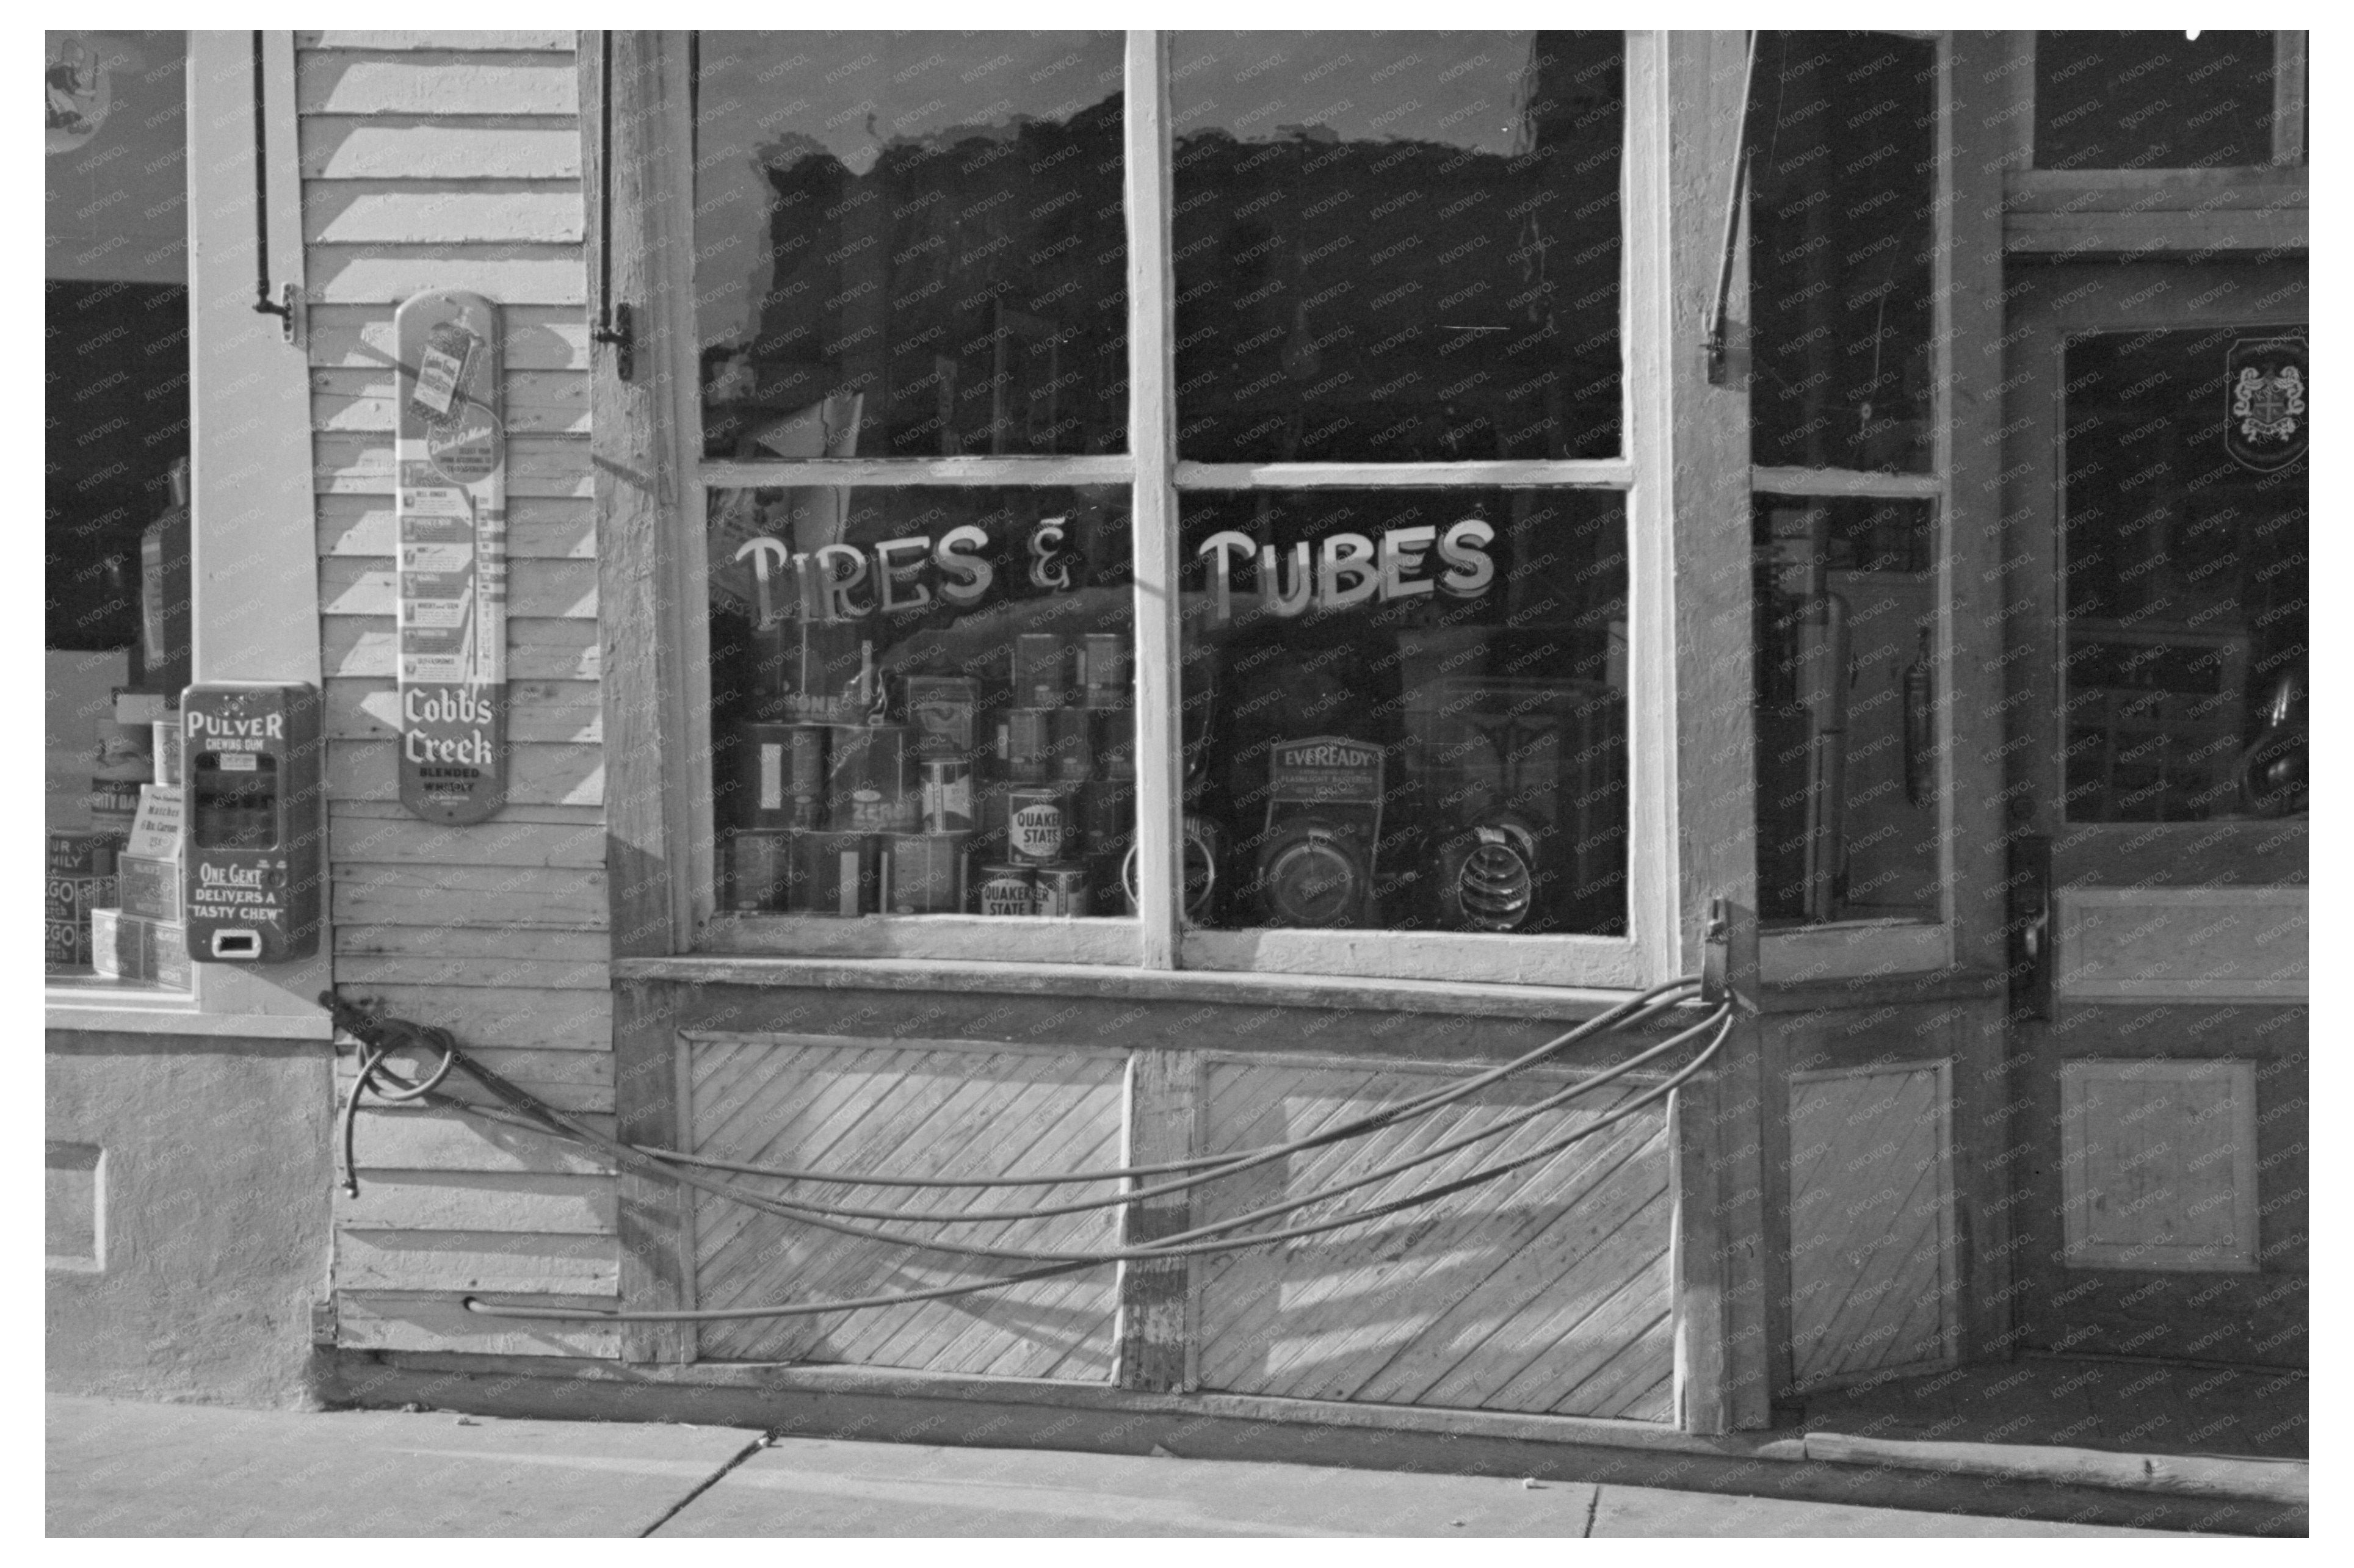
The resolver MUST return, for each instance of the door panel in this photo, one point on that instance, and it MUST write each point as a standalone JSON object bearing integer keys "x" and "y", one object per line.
{"x": 2156, "y": 502}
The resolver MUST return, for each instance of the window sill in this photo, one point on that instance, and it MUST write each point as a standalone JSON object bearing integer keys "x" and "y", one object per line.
{"x": 1195, "y": 986}
{"x": 92, "y": 1005}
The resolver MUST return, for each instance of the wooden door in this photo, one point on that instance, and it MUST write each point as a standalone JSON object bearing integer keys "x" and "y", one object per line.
{"x": 2155, "y": 496}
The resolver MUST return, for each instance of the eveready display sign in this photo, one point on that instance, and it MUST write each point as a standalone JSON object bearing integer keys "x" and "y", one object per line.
{"x": 453, "y": 544}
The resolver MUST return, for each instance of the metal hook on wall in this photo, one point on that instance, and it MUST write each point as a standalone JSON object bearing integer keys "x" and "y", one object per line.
{"x": 613, "y": 324}
{"x": 282, "y": 307}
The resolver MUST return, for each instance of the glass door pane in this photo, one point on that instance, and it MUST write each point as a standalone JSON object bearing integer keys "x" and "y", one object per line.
{"x": 2183, "y": 598}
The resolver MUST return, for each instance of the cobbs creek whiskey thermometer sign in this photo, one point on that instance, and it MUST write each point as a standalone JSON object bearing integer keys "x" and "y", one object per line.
{"x": 453, "y": 559}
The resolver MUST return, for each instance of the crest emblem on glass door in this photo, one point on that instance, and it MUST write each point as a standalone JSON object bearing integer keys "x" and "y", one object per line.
{"x": 2266, "y": 388}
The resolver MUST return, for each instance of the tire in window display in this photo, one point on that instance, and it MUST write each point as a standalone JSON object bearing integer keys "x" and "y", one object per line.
{"x": 1488, "y": 877}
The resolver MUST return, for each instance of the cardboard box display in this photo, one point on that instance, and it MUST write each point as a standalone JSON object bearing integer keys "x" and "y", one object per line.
{"x": 131, "y": 946}
{"x": 149, "y": 887}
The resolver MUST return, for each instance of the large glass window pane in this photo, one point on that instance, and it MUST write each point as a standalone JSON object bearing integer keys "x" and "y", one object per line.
{"x": 2153, "y": 99}
{"x": 911, "y": 244}
{"x": 1845, "y": 599}
{"x": 1843, "y": 183}
{"x": 922, "y": 699}
{"x": 1407, "y": 710}
{"x": 1398, "y": 246}
{"x": 2183, "y": 549}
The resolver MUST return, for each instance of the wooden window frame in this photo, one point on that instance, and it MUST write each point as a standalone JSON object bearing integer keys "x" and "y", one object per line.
{"x": 1689, "y": 835}
{"x": 2151, "y": 212}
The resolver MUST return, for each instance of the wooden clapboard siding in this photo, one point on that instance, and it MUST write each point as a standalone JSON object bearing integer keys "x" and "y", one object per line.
{"x": 1871, "y": 1281}
{"x": 557, "y": 590}
{"x": 536, "y": 650}
{"x": 343, "y": 463}
{"x": 563, "y": 712}
{"x": 428, "y": 1138}
{"x": 387, "y": 274}
{"x": 539, "y": 402}
{"x": 429, "y": 1321}
{"x": 351, "y": 212}
{"x": 452, "y": 161}
{"x": 403, "y": 839}
{"x": 427, "y": 147}
{"x": 476, "y": 1260}
{"x": 543, "y": 773}
{"x": 538, "y": 528}
{"x": 361, "y": 337}
{"x": 915, "y": 1108}
{"x": 499, "y": 43}
{"x": 455, "y": 1199}
{"x": 1547, "y": 1290}
{"x": 330, "y": 80}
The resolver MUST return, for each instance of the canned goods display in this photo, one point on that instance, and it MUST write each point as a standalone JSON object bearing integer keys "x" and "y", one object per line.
{"x": 1112, "y": 738}
{"x": 833, "y": 874}
{"x": 947, "y": 797}
{"x": 1107, "y": 815}
{"x": 759, "y": 867}
{"x": 1072, "y": 747}
{"x": 1039, "y": 828}
{"x": 1104, "y": 668}
{"x": 1062, "y": 890}
{"x": 1005, "y": 889}
{"x": 870, "y": 785}
{"x": 941, "y": 710}
{"x": 1041, "y": 671}
{"x": 923, "y": 874}
{"x": 1028, "y": 745}
{"x": 783, "y": 771}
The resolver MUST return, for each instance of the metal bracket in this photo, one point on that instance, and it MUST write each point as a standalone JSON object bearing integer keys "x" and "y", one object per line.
{"x": 1716, "y": 937}
{"x": 323, "y": 1321}
{"x": 618, "y": 333}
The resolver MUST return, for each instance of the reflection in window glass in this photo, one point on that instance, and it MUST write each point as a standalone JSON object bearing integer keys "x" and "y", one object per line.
{"x": 1842, "y": 146}
{"x": 911, "y": 246}
{"x": 2153, "y": 99}
{"x": 922, "y": 699}
{"x": 1845, "y": 597}
{"x": 1397, "y": 247}
{"x": 1407, "y": 710}
{"x": 2183, "y": 545}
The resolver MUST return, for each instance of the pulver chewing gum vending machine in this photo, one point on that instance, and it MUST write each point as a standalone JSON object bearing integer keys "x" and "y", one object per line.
{"x": 256, "y": 821}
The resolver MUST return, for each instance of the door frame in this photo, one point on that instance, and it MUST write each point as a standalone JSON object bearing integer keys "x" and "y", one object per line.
{"x": 2257, "y": 864}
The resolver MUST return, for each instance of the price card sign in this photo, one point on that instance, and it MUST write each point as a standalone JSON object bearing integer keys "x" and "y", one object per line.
{"x": 453, "y": 559}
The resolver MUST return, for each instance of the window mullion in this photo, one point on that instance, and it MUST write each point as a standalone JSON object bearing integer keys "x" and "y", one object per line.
{"x": 1152, "y": 442}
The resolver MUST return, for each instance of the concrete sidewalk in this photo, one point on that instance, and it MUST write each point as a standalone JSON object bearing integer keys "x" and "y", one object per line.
{"x": 123, "y": 1470}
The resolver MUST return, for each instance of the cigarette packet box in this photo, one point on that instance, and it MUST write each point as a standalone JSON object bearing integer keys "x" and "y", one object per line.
{"x": 148, "y": 887}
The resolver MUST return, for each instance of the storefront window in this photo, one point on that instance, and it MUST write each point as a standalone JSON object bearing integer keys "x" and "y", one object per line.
{"x": 117, "y": 621}
{"x": 911, "y": 244}
{"x": 922, "y": 700}
{"x": 1407, "y": 710}
{"x": 1399, "y": 489}
{"x": 1398, "y": 247}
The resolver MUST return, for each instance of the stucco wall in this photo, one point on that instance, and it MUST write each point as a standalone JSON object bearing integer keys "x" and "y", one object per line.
{"x": 205, "y": 1208}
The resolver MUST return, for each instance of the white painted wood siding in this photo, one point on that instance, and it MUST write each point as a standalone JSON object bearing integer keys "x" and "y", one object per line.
{"x": 454, "y": 161}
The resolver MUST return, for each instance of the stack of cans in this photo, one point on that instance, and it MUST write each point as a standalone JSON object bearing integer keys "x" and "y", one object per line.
{"x": 1068, "y": 808}
{"x": 908, "y": 819}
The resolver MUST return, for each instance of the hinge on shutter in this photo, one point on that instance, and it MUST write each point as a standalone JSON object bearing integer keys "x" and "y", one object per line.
{"x": 323, "y": 1322}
